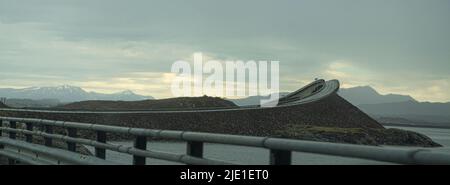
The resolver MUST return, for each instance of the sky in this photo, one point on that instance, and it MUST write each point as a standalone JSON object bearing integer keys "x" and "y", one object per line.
{"x": 400, "y": 46}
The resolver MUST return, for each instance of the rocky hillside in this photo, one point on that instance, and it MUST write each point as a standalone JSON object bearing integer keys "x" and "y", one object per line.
{"x": 167, "y": 104}
{"x": 331, "y": 113}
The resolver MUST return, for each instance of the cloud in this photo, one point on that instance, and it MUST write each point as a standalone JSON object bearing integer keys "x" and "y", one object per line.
{"x": 422, "y": 90}
{"x": 153, "y": 84}
{"x": 110, "y": 45}
{"x": 349, "y": 73}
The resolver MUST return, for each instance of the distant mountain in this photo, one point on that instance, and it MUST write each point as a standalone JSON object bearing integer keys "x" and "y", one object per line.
{"x": 367, "y": 95}
{"x": 67, "y": 93}
{"x": 411, "y": 110}
{"x": 396, "y": 108}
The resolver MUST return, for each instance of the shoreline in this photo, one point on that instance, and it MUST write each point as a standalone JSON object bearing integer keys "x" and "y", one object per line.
{"x": 417, "y": 126}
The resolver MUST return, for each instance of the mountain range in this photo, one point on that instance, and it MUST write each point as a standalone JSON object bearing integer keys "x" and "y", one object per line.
{"x": 67, "y": 93}
{"x": 367, "y": 95}
{"x": 394, "y": 107}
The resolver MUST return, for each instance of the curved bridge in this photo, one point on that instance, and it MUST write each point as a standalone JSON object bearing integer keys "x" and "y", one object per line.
{"x": 314, "y": 91}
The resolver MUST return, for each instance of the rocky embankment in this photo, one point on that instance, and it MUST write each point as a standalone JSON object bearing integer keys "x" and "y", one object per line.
{"x": 332, "y": 119}
{"x": 166, "y": 104}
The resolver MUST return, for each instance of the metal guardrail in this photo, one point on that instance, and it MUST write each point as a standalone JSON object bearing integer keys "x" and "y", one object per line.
{"x": 30, "y": 153}
{"x": 280, "y": 149}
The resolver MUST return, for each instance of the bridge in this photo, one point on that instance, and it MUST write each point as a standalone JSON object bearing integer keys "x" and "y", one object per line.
{"x": 17, "y": 139}
{"x": 314, "y": 91}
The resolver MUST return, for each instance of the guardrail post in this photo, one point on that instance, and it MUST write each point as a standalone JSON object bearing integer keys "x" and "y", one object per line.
{"x": 12, "y": 124}
{"x": 11, "y": 162}
{"x": 100, "y": 152}
{"x": 71, "y": 146}
{"x": 280, "y": 157}
{"x": 1, "y": 125}
{"x": 49, "y": 130}
{"x": 12, "y": 135}
{"x": 29, "y": 137}
{"x": 195, "y": 149}
{"x": 140, "y": 143}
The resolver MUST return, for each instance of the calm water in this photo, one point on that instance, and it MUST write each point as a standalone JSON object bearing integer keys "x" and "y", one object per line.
{"x": 258, "y": 156}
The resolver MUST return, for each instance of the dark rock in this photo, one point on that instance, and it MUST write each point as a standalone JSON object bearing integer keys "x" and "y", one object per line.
{"x": 393, "y": 136}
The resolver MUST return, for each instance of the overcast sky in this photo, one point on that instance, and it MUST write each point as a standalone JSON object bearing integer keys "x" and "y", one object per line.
{"x": 400, "y": 46}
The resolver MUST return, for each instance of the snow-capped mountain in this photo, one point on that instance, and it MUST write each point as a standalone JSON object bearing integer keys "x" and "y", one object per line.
{"x": 67, "y": 93}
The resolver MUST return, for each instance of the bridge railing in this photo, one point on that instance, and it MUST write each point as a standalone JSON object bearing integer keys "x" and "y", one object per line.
{"x": 280, "y": 149}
